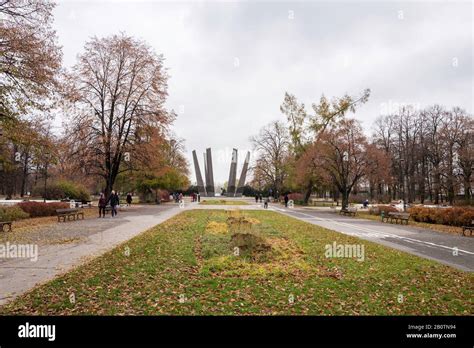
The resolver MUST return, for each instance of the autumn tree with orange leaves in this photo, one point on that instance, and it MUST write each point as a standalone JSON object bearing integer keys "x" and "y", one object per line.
{"x": 30, "y": 57}
{"x": 118, "y": 89}
{"x": 306, "y": 128}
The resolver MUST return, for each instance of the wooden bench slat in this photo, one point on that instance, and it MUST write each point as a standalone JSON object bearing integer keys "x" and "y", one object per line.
{"x": 396, "y": 216}
{"x": 69, "y": 212}
{"x": 468, "y": 228}
{"x": 348, "y": 211}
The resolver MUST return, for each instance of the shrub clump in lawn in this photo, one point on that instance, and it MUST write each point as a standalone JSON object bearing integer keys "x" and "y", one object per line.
{"x": 456, "y": 216}
{"x": 238, "y": 222}
{"x": 215, "y": 227}
{"x": 13, "y": 213}
{"x": 251, "y": 244}
{"x": 257, "y": 254}
{"x": 245, "y": 237}
{"x": 39, "y": 209}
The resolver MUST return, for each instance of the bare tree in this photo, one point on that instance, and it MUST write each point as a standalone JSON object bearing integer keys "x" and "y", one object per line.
{"x": 272, "y": 148}
{"x": 119, "y": 88}
{"x": 430, "y": 150}
{"x": 435, "y": 117}
{"x": 343, "y": 149}
{"x": 465, "y": 155}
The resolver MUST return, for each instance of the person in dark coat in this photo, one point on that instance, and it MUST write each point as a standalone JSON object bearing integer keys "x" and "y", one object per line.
{"x": 286, "y": 199}
{"x": 102, "y": 204}
{"x": 114, "y": 201}
{"x": 129, "y": 198}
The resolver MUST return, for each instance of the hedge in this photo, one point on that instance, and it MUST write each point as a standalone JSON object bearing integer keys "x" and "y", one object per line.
{"x": 456, "y": 216}
{"x": 12, "y": 213}
{"x": 63, "y": 189}
{"x": 38, "y": 209}
{"x": 377, "y": 210}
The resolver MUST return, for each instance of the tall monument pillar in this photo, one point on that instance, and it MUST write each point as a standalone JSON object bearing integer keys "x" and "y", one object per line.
{"x": 232, "y": 175}
{"x": 243, "y": 176}
{"x": 206, "y": 174}
{"x": 210, "y": 174}
{"x": 200, "y": 183}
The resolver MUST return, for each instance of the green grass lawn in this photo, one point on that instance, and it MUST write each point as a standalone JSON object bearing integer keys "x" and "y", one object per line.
{"x": 222, "y": 202}
{"x": 186, "y": 266}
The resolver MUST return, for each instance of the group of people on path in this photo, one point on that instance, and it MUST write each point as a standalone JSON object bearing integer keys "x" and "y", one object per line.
{"x": 177, "y": 197}
{"x": 114, "y": 201}
{"x": 195, "y": 197}
{"x": 259, "y": 197}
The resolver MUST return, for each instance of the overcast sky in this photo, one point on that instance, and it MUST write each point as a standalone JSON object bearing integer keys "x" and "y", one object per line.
{"x": 231, "y": 62}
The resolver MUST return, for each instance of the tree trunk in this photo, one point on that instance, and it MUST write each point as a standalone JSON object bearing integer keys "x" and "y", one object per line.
{"x": 467, "y": 189}
{"x": 24, "y": 176}
{"x": 309, "y": 190}
{"x": 436, "y": 185}
{"x": 345, "y": 197}
{"x": 422, "y": 182}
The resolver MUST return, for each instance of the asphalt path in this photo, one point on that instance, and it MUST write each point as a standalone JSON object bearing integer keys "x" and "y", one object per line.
{"x": 453, "y": 250}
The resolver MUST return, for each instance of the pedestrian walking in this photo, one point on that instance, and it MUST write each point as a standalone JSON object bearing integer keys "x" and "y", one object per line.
{"x": 256, "y": 198}
{"x": 129, "y": 199}
{"x": 102, "y": 204}
{"x": 286, "y": 200}
{"x": 114, "y": 201}
{"x": 265, "y": 204}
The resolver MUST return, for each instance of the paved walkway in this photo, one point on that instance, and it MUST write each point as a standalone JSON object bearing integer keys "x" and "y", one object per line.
{"x": 453, "y": 250}
{"x": 95, "y": 237}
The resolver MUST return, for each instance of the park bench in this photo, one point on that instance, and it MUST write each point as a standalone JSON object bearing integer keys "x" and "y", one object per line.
{"x": 6, "y": 223}
{"x": 348, "y": 211}
{"x": 468, "y": 228}
{"x": 74, "y": 213}
{"x": 402, "y": 217}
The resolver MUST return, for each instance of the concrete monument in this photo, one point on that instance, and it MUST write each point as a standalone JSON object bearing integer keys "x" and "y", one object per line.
{"x": 243, "y": 176}
{"x": 200, "y": 183}
{"x": 232, "y": 175}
